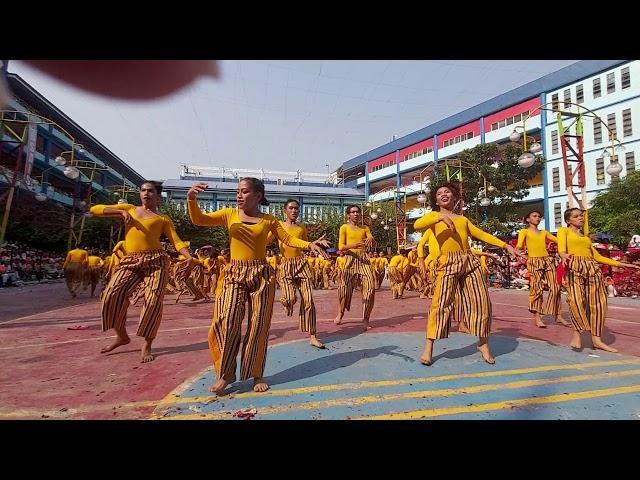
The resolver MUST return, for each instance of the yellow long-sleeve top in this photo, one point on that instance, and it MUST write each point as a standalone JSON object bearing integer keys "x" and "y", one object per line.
{"x": 297, "y": 231}
{"x": 399, "y": 262}
{"x": 143, "y": 234}
{"x": 580, "y": 245}
{"x": 382, "y": 263}
{"x": 340, "y": 261}
{"x": 247, "y": 241}
{"x": 457, "y": 241}
{"x": 77, "y": 255}
{"x": 350, "y": 235}
{"x": 94, "y": 261}
{"x": 536, "y": 242}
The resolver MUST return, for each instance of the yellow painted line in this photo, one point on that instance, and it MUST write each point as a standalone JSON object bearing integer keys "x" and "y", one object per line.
{"x": 405, "y": 381}
{"x": 445, "y": 392}
{"x": 170, "y": 398}
{"x": 524, "y": 402}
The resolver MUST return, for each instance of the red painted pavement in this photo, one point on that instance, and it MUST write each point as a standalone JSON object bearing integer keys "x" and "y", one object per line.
{"x": 49, "y": 371}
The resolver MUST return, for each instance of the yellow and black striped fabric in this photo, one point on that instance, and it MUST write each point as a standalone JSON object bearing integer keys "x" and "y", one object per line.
{"x": 296, "y": 274}
{"x": 244, "y": 281}
{"x": 460, "y": 287}
{"x": 152, "y": 269}
{"x": 357, "y": 267}
{"x": 542, "y": 271}
{"x": 587, "y": 295}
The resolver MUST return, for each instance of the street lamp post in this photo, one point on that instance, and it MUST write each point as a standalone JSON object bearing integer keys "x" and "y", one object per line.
{"x": 400, "y": 200}
{"x": 528, "y": 158}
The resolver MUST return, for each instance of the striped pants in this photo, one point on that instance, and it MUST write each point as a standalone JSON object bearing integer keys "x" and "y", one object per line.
{"x": 379, "y": 276}
{"x": 397, "y": 282}
{"x": 542, "y": 271}
{"x": 91, "y": 277}
{"x": 73, "y": 274}
{"x": 152, "y": 269}
{"x": 460, "y": 285}
{"x": 244, "y": 280}
{"x": 587, "y": 295}
{"x": 357, "y": 267}
{"x": 428, "y": 279}
{"x": 295, "y": 274}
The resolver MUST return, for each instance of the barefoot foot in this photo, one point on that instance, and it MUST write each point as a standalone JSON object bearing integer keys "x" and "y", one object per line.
{"x": 539, "y": 322}
{"x": 486, "y": 354}
{"x": 220, "y": 385}
{"x": 599, "y": 344}
{"x": 313, "y": 341}
{"x": 145, "y": 355}
{"x": 259, "y": 385}
{"x": 427, "y": 354}
{"x": 117, "y": 343}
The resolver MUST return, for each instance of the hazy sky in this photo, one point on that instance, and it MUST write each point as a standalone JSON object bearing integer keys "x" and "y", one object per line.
{"x": 285, "y": 115}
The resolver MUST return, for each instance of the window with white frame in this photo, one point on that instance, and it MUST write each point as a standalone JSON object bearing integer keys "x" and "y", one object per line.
{"x": 457, "y": 139}
{"x": 597, "y": 92}
{"x": 579, "y": 94}
{"x": 555, "y": 172}
{"x": 555, "y": 102}
{"x": 417, "y": 153}
{"x": 597, "y": 131}
{"x": 600, "y": 180}
{"x": 630, "y": 162}
{"x": 554, "y": 141}
{"x": 627, "y": 130}
{"x": 567, "y": 98}
{"x": 626, "y": 78}
{"x": 611, "y": 82}
{"x": 557, "y": 214}
{"x": 611, "y": 123}
{"x": 514, "y": 120}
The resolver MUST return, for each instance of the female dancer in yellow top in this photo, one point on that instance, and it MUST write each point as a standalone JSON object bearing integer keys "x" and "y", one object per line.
{"x": 541, "y": 269}
{"x": 145, "y": 261}
{"x": 353, "y": 241}
{"x": 457, "y": 268}
{"x": 295, "y": 273}
{"x": 586, "y": 289}
{"x": 247, "y": 277}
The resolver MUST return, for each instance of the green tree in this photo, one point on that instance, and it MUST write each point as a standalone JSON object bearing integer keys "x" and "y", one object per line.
{"x": 385, "y": 239}
{"x": 198, "y": 236}
{"x": 617, "y": 210}
{"x": 510, "y": 180}
{"x": 328, "y": 225}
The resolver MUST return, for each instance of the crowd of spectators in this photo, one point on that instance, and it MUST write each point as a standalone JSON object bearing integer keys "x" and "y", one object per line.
{"x": 20, "y": 263}
{"x": 621, "y": 282}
